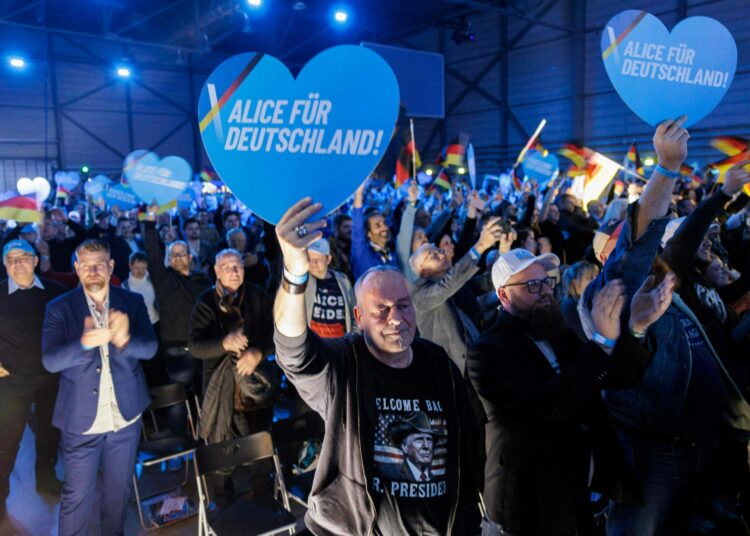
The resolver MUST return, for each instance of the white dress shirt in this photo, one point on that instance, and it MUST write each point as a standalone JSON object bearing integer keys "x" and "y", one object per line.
{"x": 108, "y": 416}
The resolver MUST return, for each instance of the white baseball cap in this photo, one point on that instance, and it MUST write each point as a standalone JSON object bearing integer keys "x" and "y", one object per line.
{"x": 517, "y": 260}
{"x": 320, "y": 246}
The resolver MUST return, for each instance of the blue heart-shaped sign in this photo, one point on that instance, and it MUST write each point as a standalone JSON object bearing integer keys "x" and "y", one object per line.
{"x": 662, "y": 75}
{"x": 157, "y": 180}
{"x": 539, "y": 167}
{"x": 122, "y": 196}
{"x": 273, "y": 139}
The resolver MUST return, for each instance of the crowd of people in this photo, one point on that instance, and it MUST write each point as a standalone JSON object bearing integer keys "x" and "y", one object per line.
{"x": 505, "y": 362}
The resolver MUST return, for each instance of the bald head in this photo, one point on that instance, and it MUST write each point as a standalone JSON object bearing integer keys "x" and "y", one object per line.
{"x": 385, "y": 311}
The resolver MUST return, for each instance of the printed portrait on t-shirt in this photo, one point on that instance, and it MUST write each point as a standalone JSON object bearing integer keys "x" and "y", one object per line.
{"x": 410, "y": 448}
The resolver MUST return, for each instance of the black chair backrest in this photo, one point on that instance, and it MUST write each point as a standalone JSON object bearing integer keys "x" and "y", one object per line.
{"x": 233, "y": 452}
{"x": 297, "y": 428}
{"x": 166, "y": 395}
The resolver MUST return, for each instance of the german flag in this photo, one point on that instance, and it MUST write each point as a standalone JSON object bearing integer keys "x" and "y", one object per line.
{"x": 539, "y": 147}
{"x": 440, "y": 181}
{"x": 161, "y": 210}
{"x": 20, "y": 208}
{"x": 208, "y": 174}
{"x": 691, "y": 175}
{"x": 454, "y": 154}
{"x": 722, "y": 166}
{"x": 633, "y": 160}
{"x": 63, "y": 192}
{"x": 730, "y": 145}
{"x": 580, "y": 156}
{"x": 516, "y": 180}
{"x": 409, "y": 156}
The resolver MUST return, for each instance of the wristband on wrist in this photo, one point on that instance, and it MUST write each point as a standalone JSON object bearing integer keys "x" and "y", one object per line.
{"x": 475, "y": 254}
{"x": 666, "y": 172}
{"x": 602, "y": 340}
{"x": 296, "y": 279}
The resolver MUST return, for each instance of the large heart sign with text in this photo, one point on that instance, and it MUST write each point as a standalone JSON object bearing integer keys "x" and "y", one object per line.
{"x": 662, "y": 75}
{"x": 273, "y": 139}
{"x": 539, "y": 167}
{"x": 157, "y": 180}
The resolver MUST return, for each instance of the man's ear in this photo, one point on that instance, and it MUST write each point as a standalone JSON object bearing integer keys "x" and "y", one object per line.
{"x": 358, "y": 316}
{"x": 502, "y": 294}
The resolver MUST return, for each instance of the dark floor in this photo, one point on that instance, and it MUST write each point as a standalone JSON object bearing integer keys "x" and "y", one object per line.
{"x": 30, "y": 513}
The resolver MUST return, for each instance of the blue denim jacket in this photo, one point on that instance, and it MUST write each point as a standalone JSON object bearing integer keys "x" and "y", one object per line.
{"x": 656, "y": 403}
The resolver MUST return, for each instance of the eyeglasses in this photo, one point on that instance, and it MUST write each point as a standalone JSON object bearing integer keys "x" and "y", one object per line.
{"x": 534, "y": 286}
{"x": 178, "y": 255}
{"x": 21, "y": 259}
{"x": 229, "y": 268}
{"x": 434, "y": 254}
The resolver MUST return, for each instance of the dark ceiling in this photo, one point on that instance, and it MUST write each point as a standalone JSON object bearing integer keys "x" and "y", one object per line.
{"x": 293, "y": 30}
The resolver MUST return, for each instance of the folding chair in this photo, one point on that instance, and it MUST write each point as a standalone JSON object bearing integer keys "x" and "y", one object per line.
{"x": 256, "y": 517}
{"x": 163, "y": 445}
{"x": 288, "y": 437}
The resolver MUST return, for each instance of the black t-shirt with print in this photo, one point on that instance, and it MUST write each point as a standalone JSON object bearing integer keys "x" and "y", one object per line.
{"x": 410, "y": 451}
{"x": 329, "y": 313}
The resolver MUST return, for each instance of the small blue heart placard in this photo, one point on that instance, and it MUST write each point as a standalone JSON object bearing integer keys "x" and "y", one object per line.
{"x": 273, "y": 139}
{"x": 662, "y": 75}
{"x": 539, "y": 167}
{"x": 67, "y": 179}
{"x": 122, "y": 196}
{"x": 96, "y": 186}
{"x": 157, "y": 180}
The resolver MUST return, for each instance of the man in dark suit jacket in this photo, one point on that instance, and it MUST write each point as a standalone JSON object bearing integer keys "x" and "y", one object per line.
{"x": 96, "y": 336}
{"x": 540, "y": 386}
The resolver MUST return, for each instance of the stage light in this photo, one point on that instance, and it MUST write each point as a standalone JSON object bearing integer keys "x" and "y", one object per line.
{"x": 123, "y": 72}
{"x": 428, "y": 172}
{"x": 254, "y": 3}
{"x": 461, "y": 170}
{"x": 85, "y": 169}
{"x": 17, "y": 63}
{"x": 648, "y": 161}
{"x": 340, "y": 16}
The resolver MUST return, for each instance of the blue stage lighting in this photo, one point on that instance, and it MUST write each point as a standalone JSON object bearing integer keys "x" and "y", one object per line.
{"x": 254, "y": 3}
{"x": 123, "y": 72}
{"x": 17, "y": 63}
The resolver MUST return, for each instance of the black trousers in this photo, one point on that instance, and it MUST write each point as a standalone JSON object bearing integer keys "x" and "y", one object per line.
{"x": 17, "y": 394}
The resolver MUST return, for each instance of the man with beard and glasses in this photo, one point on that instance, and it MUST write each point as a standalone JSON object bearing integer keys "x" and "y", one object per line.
{"x": 366, "y": 387}
{"x": 540, "y": 389}
{"x": 96, "y": 337}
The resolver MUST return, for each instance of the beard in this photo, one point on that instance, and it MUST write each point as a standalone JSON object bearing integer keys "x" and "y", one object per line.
{"x": 546, "y": 321}
{"x": 94, "y": 285}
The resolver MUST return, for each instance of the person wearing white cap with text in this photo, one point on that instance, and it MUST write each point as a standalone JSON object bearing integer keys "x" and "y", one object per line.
{"x": 540, "y": 389}
{"x": 329, "y": 297}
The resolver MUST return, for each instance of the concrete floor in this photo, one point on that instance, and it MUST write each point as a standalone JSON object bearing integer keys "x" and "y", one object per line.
{"x": 32, "y": 514}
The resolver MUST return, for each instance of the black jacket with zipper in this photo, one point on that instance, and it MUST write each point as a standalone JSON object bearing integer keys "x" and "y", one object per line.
{"x": 330, "y": 376}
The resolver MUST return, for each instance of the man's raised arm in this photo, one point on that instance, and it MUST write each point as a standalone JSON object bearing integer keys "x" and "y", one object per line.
{"x": 670, "y": 143}
{"x": 294, "y": 236}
